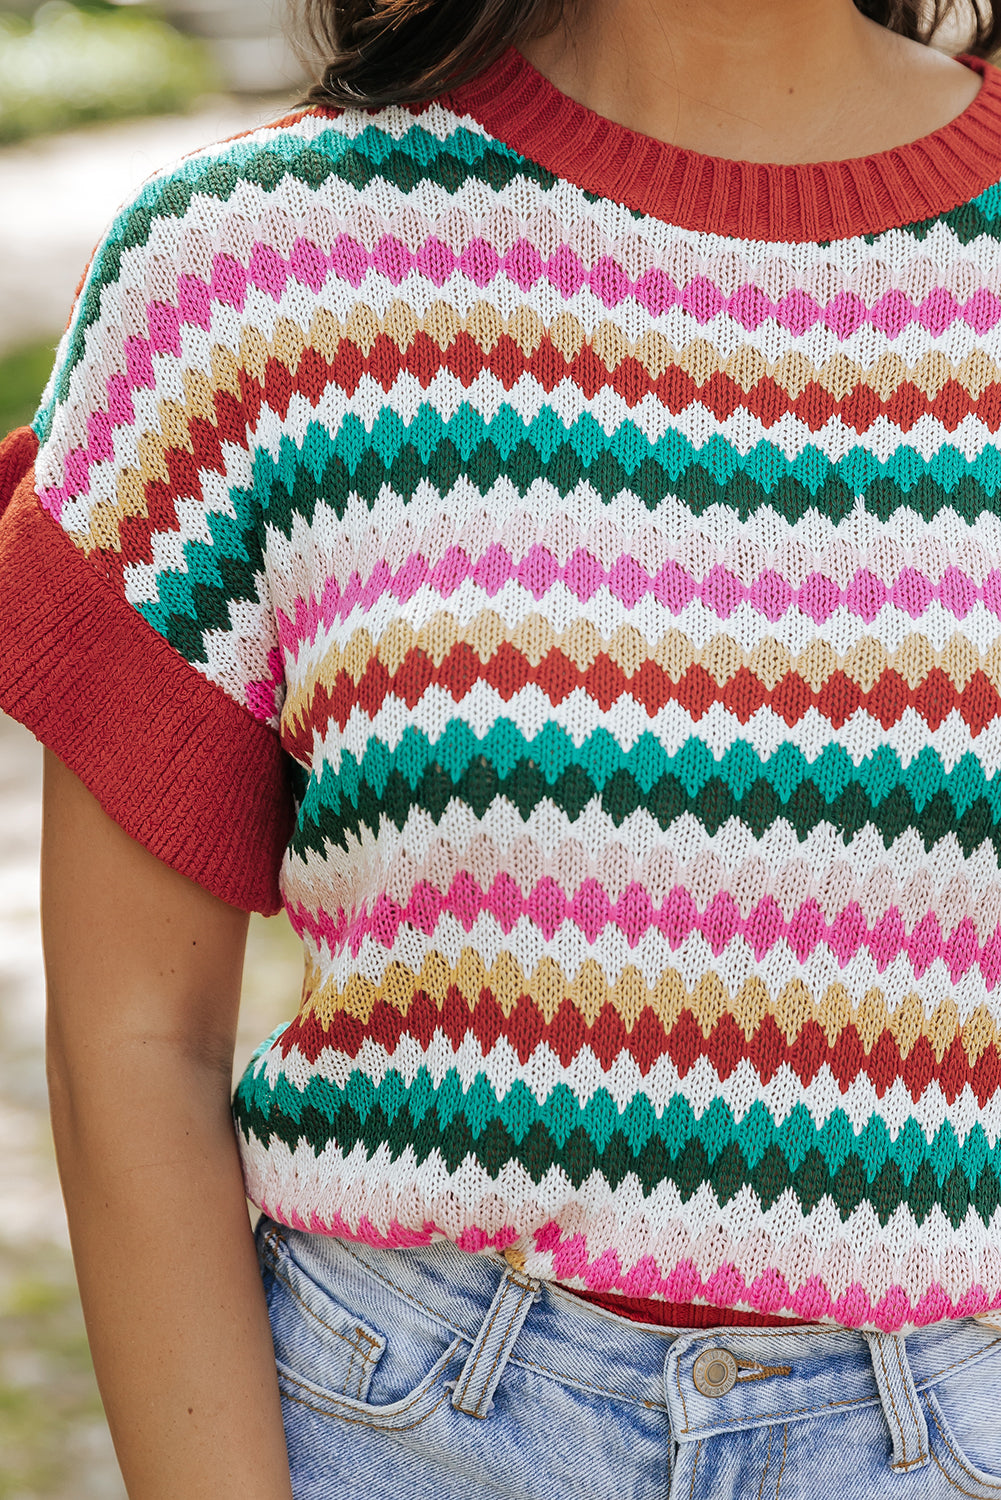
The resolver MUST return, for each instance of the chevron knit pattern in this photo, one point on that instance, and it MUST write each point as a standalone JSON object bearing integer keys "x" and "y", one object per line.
{"x": 628, "y": 598}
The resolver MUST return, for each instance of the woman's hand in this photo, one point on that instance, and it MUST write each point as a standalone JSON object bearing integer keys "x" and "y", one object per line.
{"x": 143, "y": 971}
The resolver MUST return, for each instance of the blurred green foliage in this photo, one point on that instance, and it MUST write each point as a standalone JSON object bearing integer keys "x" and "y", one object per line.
{"x": 49, "y": 1405}
{"x": 23, "y": 374}
{"x": 71, "y": 63}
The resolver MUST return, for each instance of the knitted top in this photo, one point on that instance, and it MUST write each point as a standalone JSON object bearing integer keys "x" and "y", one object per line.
{"x": 568, "y": 568}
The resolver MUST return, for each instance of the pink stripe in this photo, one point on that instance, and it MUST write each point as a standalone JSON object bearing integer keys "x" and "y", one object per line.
{"x": 726, "y": 1287}
{"x": 749, "y": 306}
{"x": 564, "y": 269}
{"x": 769, "y": 1293}
{"x": 634, "y": 915}
{"x": 264, "y": 697}
{"x": 164, "y": 323}
{"x": 397, "y": 1237}
{"x": 672, "y": 585}
{"x": 164, "y": 328}
{"x": 100, "y": 428}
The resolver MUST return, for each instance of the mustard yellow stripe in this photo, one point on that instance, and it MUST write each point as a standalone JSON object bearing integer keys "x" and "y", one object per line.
{"x": 627, "y": 648}
{"x": 547, "y": 986}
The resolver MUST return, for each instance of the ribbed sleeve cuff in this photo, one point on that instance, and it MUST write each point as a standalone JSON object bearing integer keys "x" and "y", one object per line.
{"x": 179, "y": 766}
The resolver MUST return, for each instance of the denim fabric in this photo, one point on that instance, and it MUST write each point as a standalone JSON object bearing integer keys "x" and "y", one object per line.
{"x": 412, "y": 1374}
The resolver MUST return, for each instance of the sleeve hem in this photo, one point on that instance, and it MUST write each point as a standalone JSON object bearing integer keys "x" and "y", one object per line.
{"x": 180, "y": 767}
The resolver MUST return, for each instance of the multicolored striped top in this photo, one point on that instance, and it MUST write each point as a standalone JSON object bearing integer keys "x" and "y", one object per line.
{"x": 565, "y": 572}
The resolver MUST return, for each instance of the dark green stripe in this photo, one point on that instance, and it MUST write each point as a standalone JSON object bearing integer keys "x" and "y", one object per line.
{"x": 831, "y": 1162}
{"x": 364, "y": 463}
{"x": 333, "y": 812}
{"x": 218, "y": 575}
{"x": 967, "y": 222}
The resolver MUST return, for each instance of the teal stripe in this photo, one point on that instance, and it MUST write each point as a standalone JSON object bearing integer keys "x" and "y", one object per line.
{"x": 967, "y": 222}
{"x": 832, "y": 1160}
{"x": 601, "y": 756}
{"x": 437, "y": 452}
{"x": 390, "y": 786}
{"x": 217, "y": 575}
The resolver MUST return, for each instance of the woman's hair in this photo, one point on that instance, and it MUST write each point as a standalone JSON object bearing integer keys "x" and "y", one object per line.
{"x": 404, "y": 51}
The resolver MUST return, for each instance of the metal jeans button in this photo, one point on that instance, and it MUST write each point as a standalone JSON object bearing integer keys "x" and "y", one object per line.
{"x": 715, "y": 1372}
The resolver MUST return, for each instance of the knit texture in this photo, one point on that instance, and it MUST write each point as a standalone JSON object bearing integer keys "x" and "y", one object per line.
{"x": 618, "y": 563}
{"x": 183, "y": 770}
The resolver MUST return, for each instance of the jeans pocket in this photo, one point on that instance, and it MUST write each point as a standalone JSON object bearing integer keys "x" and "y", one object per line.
{"x": 328, "y": 1357}
{"x": 964, "y": 1430}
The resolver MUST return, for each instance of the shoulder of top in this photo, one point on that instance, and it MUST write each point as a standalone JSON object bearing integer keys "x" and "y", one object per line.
{"x": 326, "y": 130}
{"x": 306, "y": 144}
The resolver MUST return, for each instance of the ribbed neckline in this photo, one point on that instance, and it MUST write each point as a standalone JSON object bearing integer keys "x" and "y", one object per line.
{"x": 816, "y": 201}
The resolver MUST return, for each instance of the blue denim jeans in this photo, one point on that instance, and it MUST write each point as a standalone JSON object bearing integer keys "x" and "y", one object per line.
{"x": 412, "y": 1374}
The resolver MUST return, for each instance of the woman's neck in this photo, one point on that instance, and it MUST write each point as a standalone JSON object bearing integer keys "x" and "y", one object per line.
{"x": 753, "y": 80}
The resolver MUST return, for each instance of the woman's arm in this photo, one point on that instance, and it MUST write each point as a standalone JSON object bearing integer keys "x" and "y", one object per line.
{"x": 143, "y": 970}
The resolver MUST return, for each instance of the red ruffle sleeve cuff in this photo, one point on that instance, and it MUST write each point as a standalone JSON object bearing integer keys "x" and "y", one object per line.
{"x": 180, "y": 766}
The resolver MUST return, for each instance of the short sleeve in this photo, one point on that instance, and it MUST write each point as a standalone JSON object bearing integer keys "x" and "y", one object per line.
{"x": 137, "y": 639}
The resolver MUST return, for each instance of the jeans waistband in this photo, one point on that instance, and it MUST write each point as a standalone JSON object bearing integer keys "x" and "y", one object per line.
{"x": 813, "y": 1372}
{"x": 781, "y": 1375}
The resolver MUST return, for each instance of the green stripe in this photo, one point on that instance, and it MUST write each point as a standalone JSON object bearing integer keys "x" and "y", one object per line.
{"x": 336, "y": 810}
{"x": 967, "y": 222}
{"x": 440, "y": 451}
{"x": 814, "y": 1163}
{"x": 217, "y": 575}
{"x": 554, "y": 751}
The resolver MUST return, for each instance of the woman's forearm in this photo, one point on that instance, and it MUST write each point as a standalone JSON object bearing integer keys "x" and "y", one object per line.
{"x": 168, "y": 1275}
{"x": 143, "y": 971}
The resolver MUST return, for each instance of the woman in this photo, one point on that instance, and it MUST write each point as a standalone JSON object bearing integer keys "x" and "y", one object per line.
{"x": 542, "y": 499}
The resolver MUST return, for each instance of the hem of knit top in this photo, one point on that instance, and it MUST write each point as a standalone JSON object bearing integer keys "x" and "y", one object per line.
{"x": 815, "y": 202}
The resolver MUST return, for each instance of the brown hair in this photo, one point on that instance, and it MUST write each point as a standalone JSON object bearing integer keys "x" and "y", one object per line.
{"x": 402, "y": 51}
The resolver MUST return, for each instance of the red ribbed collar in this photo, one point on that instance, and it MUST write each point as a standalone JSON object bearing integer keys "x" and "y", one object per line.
{"x": 812, "y": 202}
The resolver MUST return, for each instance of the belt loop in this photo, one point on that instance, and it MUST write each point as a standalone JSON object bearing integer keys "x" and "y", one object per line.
{"x": 901, "y": 1404}
{"x": 478, "y": 1380}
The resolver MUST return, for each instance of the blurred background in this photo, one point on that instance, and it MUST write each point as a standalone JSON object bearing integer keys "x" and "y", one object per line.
{"x": 93, "y": 97}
